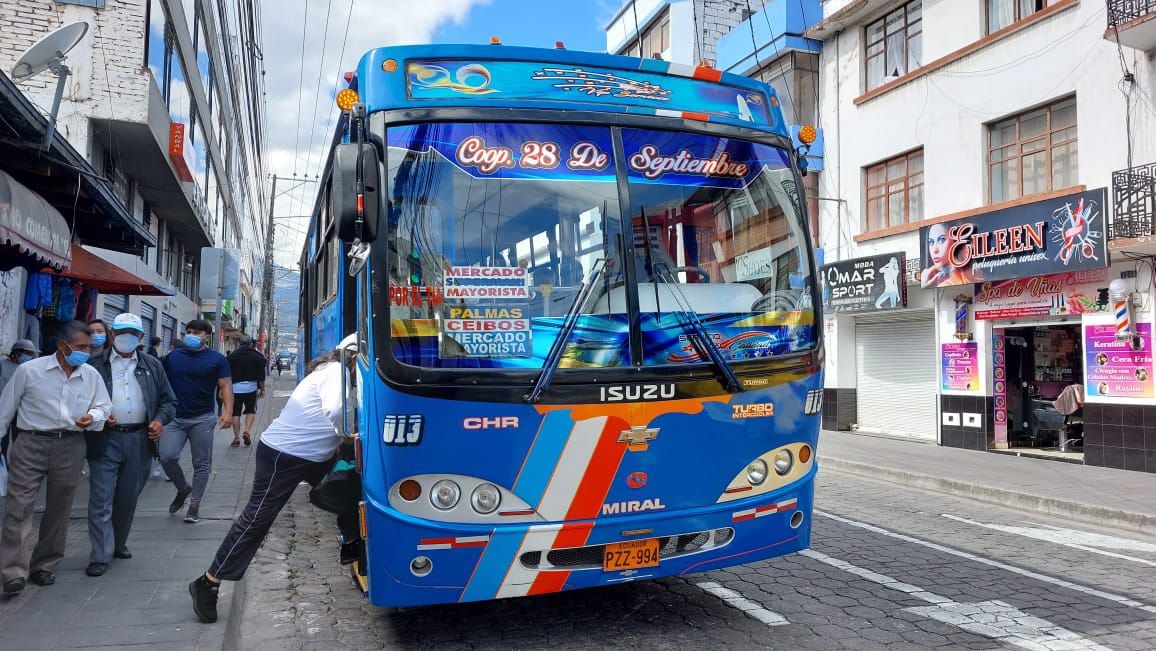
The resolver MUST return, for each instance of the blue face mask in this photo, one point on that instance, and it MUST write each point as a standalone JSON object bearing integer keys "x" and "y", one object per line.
{"x": 76, "y": 358}
{"x": 25, "y": 358}
{"x": 193, "y": 342}
{"x": 99, "y": 339}
{"x": 125, "y": 343}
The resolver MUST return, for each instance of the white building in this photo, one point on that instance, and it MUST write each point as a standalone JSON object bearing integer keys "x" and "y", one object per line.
{"x": 165, "y": 101}
{"x": 987, "y": 112}
{"x": 679, "y": 31}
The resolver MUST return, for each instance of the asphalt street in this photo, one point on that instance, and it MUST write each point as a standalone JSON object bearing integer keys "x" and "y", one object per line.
{"x": 890, "y": 567}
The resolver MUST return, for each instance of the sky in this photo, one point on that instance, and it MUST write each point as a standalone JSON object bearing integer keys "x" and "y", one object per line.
{"x": 305, "y": 59}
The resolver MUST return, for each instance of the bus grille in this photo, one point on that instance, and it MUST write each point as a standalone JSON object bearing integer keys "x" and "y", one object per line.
{"x": 579, "y": 558}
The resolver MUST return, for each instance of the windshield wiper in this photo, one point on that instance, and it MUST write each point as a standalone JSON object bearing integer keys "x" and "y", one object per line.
{"x": 689, "y": 317}
{"x": 554, "y": 356}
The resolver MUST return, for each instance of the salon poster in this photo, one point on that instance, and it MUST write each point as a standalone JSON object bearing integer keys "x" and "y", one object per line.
{"x": 960, "y": 366}
{"x": 1112, "y": 368}
{"x": 1059, "y": 235}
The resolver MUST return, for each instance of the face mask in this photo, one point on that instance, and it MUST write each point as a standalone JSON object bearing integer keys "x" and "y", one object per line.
{"x": 76, "y": 358}
{"x": 193, "y": 341}
{"x": 125, "y": 343}
{"x": 99, "y": 339}
{"x": 25, "y": 358}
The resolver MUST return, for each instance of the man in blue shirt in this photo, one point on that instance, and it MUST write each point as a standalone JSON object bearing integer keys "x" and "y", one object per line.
{"x": 196, "y": 374}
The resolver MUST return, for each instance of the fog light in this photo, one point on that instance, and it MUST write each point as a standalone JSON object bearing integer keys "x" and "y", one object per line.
{"x": 409, "y": 490}
{"x": 757, "y": 472}
{"x": 485, "y": 498}
{"x": 421, "y": 566}
{"x": 783, "y": 462}
{"x": 445, "y": 495}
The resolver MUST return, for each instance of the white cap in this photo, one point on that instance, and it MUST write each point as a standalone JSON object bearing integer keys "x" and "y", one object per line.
{"x": 128, "y": 321}
{"x": 349, "y": 343}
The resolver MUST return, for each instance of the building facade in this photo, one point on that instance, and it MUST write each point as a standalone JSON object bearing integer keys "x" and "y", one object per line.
{"x": 166, "y": 102}
{"x": 678, "y": 31}
{"x": 988, "y": 173}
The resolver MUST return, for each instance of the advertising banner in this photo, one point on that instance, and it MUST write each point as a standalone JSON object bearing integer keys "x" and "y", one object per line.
{"x": 1064, "y": 234}
{"x": 960, "y": 365}
{"x": 1078, "y": 292}
{"x": 1112, "y": 368}
{"x": 865, "y": 284}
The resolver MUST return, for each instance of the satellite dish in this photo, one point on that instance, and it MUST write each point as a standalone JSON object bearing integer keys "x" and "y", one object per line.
{"x": 48, "y": 54}
{"x": 49, "y": 51}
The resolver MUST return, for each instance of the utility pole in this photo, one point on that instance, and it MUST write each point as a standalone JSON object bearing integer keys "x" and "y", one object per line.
{"x": 267, "y": 283}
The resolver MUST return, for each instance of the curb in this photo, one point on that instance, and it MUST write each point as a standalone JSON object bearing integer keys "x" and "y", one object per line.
{"x": 1088, "y": 513}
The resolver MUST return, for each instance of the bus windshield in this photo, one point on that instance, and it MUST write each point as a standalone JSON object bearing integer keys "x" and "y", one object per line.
{"x": 494, "y": 230}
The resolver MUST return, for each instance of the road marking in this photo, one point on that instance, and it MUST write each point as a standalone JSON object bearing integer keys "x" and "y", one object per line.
{"x": 1125, "y": 601}
{"x": 748, "y": 607}
{"x": 1074, "y": 538}
{"x": 282, "y": 394}
{"x": 996, "y": 620}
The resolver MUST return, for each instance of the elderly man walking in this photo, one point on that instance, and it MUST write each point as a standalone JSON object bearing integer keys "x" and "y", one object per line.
{"x": 55, "y": 400}
{"x": 142, "y": 404}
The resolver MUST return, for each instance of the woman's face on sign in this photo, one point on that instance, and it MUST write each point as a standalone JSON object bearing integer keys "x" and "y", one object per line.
{"x": 937, "y": 243}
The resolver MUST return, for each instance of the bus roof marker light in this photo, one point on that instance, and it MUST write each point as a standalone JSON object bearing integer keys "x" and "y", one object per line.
{"x": 494, "y": 40}
{"x": 808, "y": 134}
{"x": 389, "y": 65}
{"x": 559, "y": 45}
{"x": 346, "y": 98}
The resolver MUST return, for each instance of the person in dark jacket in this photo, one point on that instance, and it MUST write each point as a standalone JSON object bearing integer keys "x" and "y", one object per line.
{"x": 155, "y": 347}
{"x": 248, "y": 367}
{"x": 142, "y": 404}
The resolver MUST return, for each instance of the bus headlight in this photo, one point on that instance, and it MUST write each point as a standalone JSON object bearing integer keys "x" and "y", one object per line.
{"x": 445, "y": 495}
{"x": 783, "y": 462}
{"x": 757, "y": 472}
{"x": 485, "y": 498}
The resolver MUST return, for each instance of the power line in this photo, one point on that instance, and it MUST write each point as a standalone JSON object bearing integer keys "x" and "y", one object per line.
{"x": 300, "y": 94}
{"x": 317, "y": 92}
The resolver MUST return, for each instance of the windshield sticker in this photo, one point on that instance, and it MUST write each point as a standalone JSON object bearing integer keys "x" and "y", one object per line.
{"x": 416, "y": 296}
{"x": 468, "y": 283}
{"x": 492, "y": 338}
{"x": 514, "y": 151}
{"x": 697, "y": 160}
{"x": 601, "y": 84}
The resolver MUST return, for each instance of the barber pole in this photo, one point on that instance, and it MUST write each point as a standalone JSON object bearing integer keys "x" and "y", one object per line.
{"x": 1118, "y": 292}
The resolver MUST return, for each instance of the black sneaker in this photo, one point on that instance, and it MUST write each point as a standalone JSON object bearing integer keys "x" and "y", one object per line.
{"x": 15, "y": 586}
{"x": 350, "y": 552}
{"x": 179, "y": 500}
{"x": 193, "y": 515}
{"x": 204, "y": 593}
{"x": 42, "y": 577}
{"x": 123, "y": 554}
{"x": 96, "y": 569}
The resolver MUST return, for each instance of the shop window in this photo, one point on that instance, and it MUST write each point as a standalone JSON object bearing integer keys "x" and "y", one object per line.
{"x": 894, "y": 44}
{"x": 655, "y": 38}
{"x": 1001, "y": 13}
{"x": 1033, "y": 152}
{"x": 894, "y": 191}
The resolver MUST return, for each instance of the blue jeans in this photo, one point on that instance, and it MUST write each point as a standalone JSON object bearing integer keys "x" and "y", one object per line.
{"x": 198, "y": 431}
{"x": 114, "y": 487}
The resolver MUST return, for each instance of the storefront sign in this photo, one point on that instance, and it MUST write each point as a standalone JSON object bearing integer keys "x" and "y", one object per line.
{"x": 1052, "y": 236}
{"x": 999, "y": 386}
{"x": 32, "y": 225}
{"x": 1112, "y": 368}
{"x": 179, "y": 150}
{"x": 865, "y": 284}
{"x": 1078, "y": 292}
{"x": 960, "y": 365}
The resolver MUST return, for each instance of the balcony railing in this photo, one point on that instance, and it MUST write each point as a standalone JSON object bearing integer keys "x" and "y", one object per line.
{"x": 1125, "y": 11}
{"x": 1134, "y": 202}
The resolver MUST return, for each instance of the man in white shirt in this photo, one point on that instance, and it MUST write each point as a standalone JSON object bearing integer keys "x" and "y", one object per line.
{"x": 142, "y": 404}
{"x": 55, "y": 400}
{"x": 300, "y": 445}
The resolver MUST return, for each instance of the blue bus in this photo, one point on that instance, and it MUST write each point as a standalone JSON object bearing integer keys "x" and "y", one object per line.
{"x": 585, "y": 297}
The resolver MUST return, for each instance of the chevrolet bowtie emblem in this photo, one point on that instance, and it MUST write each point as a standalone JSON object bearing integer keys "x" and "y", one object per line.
{"x": 638, "y": 437}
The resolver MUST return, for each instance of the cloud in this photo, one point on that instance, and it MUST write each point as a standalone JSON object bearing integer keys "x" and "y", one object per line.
{"x": 298, "y": 109}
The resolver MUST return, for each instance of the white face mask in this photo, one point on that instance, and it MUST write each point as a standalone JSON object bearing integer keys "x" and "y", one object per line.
{"x": 125, "y": 343}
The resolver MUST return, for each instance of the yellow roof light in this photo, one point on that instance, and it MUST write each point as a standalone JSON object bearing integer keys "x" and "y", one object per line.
{"x": 346, "y": 98}
{"x": 494, "y": 40}
{"x": 389, "y": 65}
{"x": 808, "y": 134}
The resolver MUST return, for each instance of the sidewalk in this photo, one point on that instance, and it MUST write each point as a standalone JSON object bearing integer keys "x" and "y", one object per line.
{"x": 1102, "y": 496}
{"x": 143, "y": 601}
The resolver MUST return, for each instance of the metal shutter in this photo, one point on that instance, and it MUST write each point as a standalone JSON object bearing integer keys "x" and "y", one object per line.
{"x": 896, "y": 378}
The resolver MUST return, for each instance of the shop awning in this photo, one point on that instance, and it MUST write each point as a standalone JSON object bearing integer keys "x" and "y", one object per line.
{"x": 30, "y": 224}
{"x": 108, "y": 278}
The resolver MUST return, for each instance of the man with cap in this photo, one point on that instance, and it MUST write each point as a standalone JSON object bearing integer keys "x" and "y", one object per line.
{"x": 248, "y": 368}
{"x": 299, "y": 446}
{"x": 142, "y": 404}
{"x": 22, "y": 351}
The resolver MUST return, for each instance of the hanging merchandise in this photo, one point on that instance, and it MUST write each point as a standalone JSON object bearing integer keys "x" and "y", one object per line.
{"x": 65, "y": 300}
{"x": 86, "y": 303}
{"x": 38, "y": 294}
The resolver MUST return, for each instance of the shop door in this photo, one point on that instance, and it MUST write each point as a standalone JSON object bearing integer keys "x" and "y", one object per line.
{"x": 895, "y": 372}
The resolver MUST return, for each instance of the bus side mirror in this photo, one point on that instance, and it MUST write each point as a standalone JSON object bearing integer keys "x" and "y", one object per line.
{"x": 343, "y": 198}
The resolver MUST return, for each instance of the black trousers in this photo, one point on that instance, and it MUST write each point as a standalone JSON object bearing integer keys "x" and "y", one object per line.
{"x": 275, "y": 479}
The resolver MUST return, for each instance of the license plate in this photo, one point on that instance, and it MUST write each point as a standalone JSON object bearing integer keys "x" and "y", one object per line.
{"x": 630, "y": 555}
